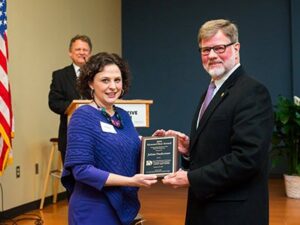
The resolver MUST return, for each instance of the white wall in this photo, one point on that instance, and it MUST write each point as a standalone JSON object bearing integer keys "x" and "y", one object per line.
{"x": 38, "y": 33}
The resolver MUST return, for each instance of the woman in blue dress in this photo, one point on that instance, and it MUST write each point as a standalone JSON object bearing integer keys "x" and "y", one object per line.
{"x": 103, "y": 149}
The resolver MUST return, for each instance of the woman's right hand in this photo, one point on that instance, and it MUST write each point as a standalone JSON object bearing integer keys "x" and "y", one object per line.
{"x": 183, "y": 141}
{"x": 159, "y": 133}
{"x": 143, "y": 180}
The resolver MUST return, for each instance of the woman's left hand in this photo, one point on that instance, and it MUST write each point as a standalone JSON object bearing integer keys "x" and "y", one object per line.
{"x": 144, "y": 180}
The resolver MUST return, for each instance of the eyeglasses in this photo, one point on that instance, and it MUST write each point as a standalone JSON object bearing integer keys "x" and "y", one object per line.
{"x": 219, "y": 49}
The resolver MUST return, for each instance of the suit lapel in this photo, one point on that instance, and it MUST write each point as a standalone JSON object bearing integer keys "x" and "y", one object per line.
{"x": 195, "y": 118}
{"x": 219, "y": 97}
{"x": 71, "y": 77}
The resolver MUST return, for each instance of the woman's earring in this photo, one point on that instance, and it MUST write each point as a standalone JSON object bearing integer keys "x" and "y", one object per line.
{"x": 122, "y": 93}
{"x": 92, "y": 93}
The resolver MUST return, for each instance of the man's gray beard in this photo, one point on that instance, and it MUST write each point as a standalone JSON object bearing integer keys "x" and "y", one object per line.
{"x": 217, "y": 72}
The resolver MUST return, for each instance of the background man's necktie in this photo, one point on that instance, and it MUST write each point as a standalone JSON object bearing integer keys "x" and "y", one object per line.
{"x": 78, "y": 72}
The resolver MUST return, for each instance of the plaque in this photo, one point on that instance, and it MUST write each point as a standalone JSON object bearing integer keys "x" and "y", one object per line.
{"x": 159, "y": 155}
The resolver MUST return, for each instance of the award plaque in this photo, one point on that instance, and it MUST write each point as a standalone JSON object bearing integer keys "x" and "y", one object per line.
{"x": 159, "y": 155}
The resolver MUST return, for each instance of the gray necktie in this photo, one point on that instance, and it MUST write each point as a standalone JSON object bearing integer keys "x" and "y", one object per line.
{"x": 208, "y": 97}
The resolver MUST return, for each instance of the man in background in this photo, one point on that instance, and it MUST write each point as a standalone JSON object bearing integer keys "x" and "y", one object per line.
{"x": 63, "y": 87}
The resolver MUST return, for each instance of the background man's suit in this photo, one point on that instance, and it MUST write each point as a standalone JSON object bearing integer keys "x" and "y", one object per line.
{"x": 229, "y": 156}
{"x": 62, "y": 93}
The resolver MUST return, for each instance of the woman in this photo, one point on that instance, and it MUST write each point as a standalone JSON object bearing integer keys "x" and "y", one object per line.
{"x": 103, "y": 149}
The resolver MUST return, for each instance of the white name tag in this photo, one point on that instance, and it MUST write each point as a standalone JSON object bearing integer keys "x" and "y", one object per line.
{"x": 107, "y": 128}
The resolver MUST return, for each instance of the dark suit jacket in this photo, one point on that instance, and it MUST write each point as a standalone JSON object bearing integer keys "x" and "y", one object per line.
{"x": 62, "y": 92}
{"x": 228, "y": 167}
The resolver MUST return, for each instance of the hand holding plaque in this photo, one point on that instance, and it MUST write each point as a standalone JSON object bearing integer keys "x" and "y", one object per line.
{"x": 159, "y": 155}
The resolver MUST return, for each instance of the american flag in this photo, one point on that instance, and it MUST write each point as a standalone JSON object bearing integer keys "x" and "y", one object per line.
{"x": 6, "y": 117}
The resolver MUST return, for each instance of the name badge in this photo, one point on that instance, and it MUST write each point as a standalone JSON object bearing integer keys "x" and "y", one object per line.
{"x": 107, "y": 128}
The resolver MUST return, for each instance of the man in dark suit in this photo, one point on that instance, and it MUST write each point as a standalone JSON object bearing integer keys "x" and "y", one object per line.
{"x": 226, "y": 157}
{"x": 63, "y": 87}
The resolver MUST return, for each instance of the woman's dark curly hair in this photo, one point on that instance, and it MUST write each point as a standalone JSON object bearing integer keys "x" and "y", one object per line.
{"x": 96, "y": 64}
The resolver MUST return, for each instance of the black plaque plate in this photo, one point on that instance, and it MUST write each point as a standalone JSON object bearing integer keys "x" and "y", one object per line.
{"x": 159, "y": 155}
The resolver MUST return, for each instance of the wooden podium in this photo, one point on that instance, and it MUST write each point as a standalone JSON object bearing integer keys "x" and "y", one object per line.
{"x": 138, "y": 109}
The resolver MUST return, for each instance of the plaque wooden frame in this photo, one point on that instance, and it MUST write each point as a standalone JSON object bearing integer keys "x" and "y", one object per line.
{"x": 159, "y": 155}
